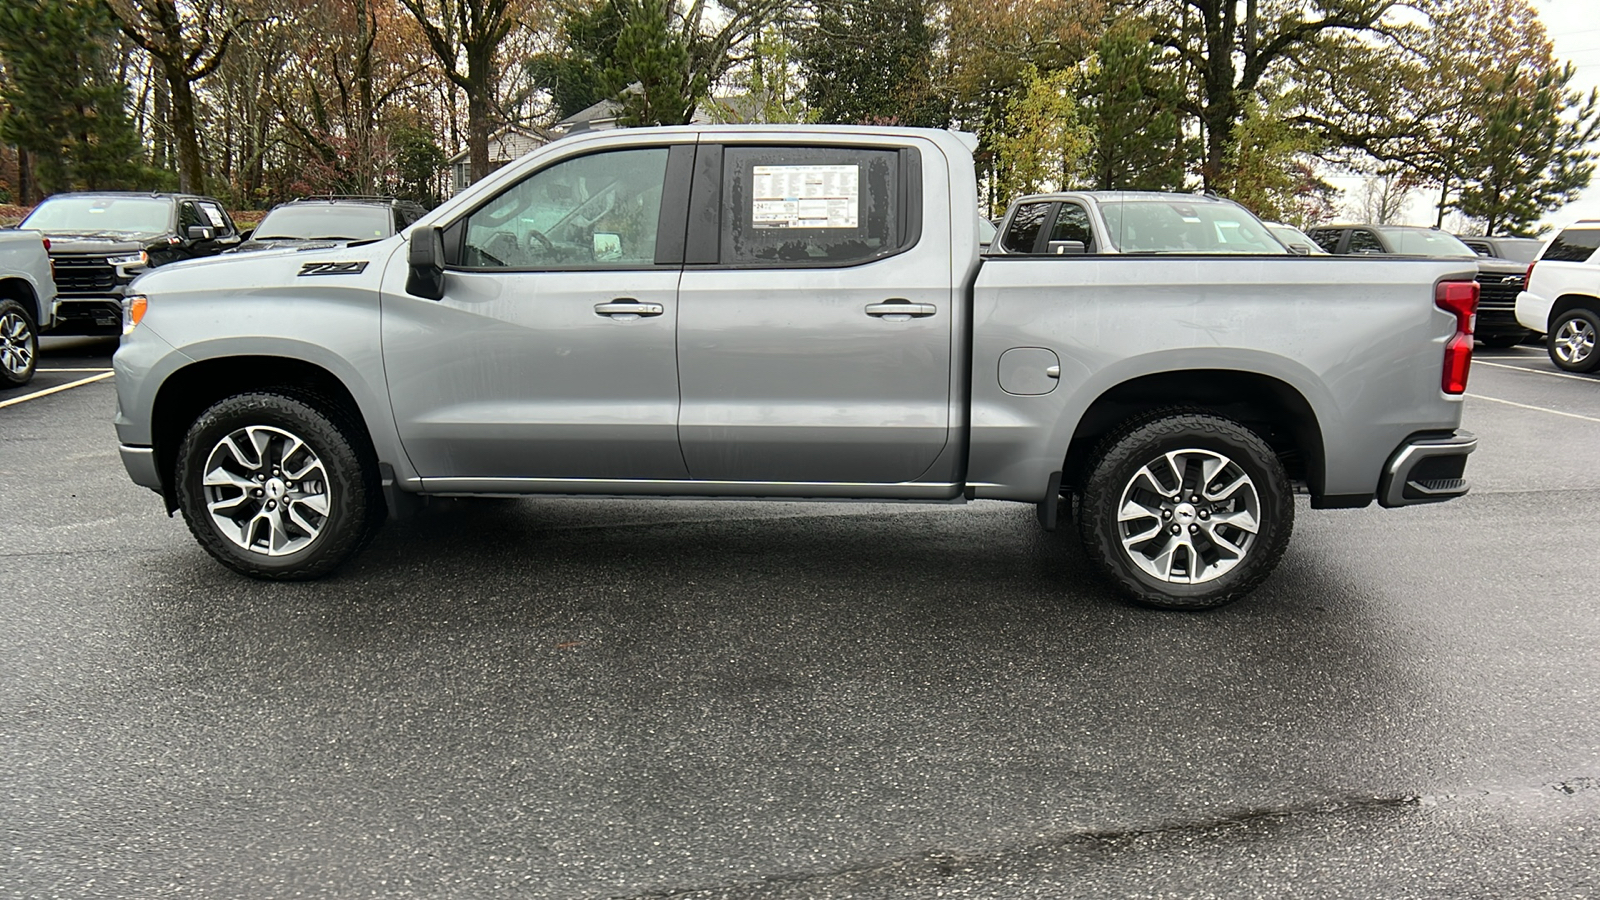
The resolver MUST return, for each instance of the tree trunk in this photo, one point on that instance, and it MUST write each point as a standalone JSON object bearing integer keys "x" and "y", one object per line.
{"x": 191, "y": 171}
{"x": 480, "y": 81}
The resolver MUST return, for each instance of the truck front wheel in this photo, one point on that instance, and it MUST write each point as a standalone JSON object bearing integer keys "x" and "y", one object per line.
{"x": 19, "y": 344}
{"x": 273, "y": 487}
{"x": 1186, "y": 511}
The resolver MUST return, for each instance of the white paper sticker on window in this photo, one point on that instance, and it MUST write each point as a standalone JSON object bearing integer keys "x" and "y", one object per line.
{"x": 805, "y": 196}
{"x": 215, "y": 215}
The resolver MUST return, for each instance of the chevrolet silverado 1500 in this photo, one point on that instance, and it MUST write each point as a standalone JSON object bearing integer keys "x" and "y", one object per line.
{"x": 764, "y": 312}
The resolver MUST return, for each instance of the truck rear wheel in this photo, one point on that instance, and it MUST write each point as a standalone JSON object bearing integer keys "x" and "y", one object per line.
{"x": 273, "y": 487}
{"x": 1573, "y": 344}
{"x": 19, "y": 344}
{"x": 1186, "y": 511}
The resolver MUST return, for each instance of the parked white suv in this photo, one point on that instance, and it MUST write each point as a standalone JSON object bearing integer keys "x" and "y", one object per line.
{"x": 1561, "y": 296}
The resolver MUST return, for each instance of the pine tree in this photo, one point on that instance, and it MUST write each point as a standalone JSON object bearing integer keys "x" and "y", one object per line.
{"x": 62, "y": 103}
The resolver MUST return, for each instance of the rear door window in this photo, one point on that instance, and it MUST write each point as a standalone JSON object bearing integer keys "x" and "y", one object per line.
{"x": 1364, "y": 241}
{"x": 1327, "y": 238}
{"x": 824, "y": 206}
{"x": 1022, "y": 232}
{"x": 1573, "y": 245}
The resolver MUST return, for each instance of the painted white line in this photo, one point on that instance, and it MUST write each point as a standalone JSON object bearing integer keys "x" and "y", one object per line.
{"x": 1536, "y": 371}
{"x": 55, "y": 390}
{"x": 70, "y": 369}
{"x": 1553, "y": 412}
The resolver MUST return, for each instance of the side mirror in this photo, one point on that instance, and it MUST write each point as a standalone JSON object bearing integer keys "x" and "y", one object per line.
{"x": 1061, "y": 248}
{"x": 426, "y": 278}
{"x": 201, "y": 233}
{"x": 1299, "y": 249}
{"x": 244, "y": 234}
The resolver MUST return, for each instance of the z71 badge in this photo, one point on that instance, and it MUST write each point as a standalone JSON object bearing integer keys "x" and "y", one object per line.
{"x": 333, "y": 268}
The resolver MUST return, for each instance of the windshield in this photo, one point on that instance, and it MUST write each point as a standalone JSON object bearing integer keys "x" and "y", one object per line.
{"x": 1426, "y": 242}
{"x": 98, "y": 215}
{"x": 1174, "y": 226}
{"x": 328, "y": 223}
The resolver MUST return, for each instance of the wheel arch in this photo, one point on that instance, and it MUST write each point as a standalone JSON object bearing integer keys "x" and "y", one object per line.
{"x": 189, "y": 391}
{"x": 1269, "y": 406}
{"x": 21, "y": 290}
{"x": 1568, "y": 302}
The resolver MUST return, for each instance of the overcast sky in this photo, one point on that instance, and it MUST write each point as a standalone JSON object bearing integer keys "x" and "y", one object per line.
{"x": 1574, "y": 26}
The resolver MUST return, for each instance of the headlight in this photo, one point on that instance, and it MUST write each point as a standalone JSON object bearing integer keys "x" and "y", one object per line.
{"x": 132, "y": 259}
{"x": 133, "y": 309}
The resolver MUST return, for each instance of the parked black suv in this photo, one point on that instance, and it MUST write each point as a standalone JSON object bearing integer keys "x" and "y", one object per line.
{"x": 100, "y": 240}
{"x": 298, "y": 223}
{"x": 1499, "y": 280}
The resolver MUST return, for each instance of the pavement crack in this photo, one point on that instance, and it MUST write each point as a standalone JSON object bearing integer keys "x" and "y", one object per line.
{"x": 943, "y": 863}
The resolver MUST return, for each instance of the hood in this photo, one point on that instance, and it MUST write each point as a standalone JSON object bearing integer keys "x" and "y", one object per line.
{"x": 290, "y": 268}
{"x": 286, "y": 244}
{"x": 108, "y": 242}
{"x": 1494, "y": 265}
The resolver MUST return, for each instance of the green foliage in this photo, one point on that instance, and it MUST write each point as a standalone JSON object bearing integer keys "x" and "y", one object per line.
{"x": 871, "y": 62}
{"x": 62, "y": 100}
{"x": 1266, "y": 169}
{"x": 1533, "y": 151}
{"x": 1044, "y": 142}
{"x": 771, "y": 81}
{"x": 650, "y": 75}
{"x": 1132, "y": 110}
{"x": 417, "y": 161}
{"x": 575, "y": 76}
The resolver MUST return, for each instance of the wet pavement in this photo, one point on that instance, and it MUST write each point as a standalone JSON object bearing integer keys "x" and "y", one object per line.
{"x": 598, "y": 699}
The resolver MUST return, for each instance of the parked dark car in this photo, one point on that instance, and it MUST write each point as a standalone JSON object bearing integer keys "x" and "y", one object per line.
{"x": 1499, "y": 280}
{"x": 331, "y": 220}
{"x": 100, "y": 241}
{"x": 1517, "y": 249}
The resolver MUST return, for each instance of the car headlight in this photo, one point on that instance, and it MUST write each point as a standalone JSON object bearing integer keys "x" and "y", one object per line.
{"x": 133, "y": 310}
{"x": 132, "y": 259}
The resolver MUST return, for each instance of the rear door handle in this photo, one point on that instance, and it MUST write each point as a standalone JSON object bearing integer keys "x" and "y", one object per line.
{"x": 898, "y": 310}
{"x": 627, "y": 306}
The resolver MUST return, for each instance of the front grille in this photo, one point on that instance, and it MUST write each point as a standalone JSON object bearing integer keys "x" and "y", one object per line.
{"x": 1496, "y": 293}
{"x": 84, "y": 274}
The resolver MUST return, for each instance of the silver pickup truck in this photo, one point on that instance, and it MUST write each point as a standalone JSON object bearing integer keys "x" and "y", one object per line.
{"x": 769, "y": 312}
{"x": 27, "y": 302}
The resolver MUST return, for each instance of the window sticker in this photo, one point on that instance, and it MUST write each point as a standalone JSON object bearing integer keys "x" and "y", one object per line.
{"x": 805, "y": 196}
{"x": 214, "y": 214}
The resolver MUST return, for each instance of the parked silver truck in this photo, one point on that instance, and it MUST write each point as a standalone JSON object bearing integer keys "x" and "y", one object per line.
{"x": 27, "y": 303}
{"x": 769, "y": 312}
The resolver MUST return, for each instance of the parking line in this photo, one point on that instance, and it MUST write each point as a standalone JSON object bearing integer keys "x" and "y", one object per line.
{"x": 55, "y": 390}
{"x": 1554, "y": 412}
{"x": 1535, "y": 371}
{"x": 71, "y": 369}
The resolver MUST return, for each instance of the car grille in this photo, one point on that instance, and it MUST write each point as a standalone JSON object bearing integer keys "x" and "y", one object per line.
{"x": 1498, "y": 292}
{"x": 83, "y": 274}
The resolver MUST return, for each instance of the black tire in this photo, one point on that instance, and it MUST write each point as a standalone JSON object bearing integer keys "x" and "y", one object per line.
{"x": 1198, "y": 440}
{"x": 19, "y": 344}
{"x": 1572, "y": 341}
{"x": 1503, "y": 341}
{"x": 343, "y": 483}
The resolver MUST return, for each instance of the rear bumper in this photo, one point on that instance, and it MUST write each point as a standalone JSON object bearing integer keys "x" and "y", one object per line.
{"x": 1427, "y": 470}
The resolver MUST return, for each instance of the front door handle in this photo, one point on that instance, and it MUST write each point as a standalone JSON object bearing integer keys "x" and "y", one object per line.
{"x": 627, "y": 306}
{"x": 898, "y": 310}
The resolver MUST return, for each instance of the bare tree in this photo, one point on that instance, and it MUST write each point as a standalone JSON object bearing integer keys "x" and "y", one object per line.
{"x": 186, "y": 42}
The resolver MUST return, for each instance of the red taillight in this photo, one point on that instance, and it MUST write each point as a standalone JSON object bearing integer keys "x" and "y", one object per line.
{"x": 1459, "y": 298}
{"x": 1527, "y": 277}
{"x": 46, "y": 244}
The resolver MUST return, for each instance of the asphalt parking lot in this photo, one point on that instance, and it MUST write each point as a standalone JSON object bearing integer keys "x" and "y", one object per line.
{"x": 611, "y": 699}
